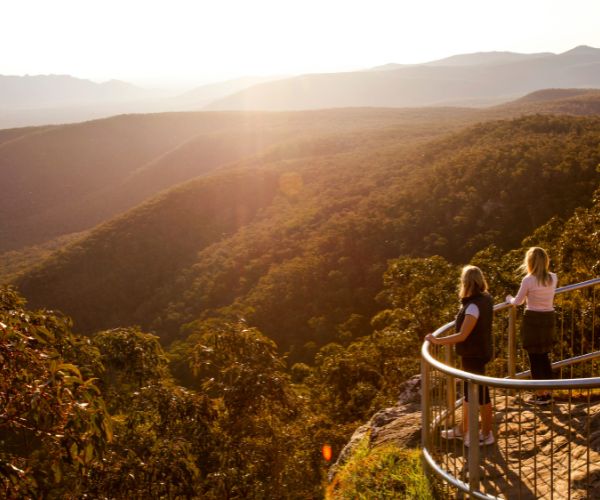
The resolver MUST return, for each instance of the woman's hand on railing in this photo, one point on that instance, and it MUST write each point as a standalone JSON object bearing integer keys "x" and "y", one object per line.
{"x": 430, "y": 338}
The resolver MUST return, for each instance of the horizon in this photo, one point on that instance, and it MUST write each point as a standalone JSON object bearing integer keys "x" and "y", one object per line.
{"x": 183, "y": 44}
{"x": 183, "y": 87}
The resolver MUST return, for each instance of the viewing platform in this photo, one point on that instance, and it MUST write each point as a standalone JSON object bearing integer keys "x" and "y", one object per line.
{"x": 550, "y": 451}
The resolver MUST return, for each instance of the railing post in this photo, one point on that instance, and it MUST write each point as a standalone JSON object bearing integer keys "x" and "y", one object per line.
{"x": 451, "y": 385}
{"x": 448, "y": 469}
{"x": 425, "y": 405}
{"x": 473, "y": 437}
{"x": 512, "y": 341}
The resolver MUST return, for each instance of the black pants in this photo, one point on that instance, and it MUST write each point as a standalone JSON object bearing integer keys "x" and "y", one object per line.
{"x": 541, "y": 368}
{"x": 476, "y": 365}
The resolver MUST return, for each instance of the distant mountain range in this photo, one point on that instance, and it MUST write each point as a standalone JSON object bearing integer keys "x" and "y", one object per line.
{"x": 470, "y": 79}
{"x": 53, "y": 99}
{"x": 478, "y": 79}
{"x": 200, "y": 97}
{"x": 42, "y": 91}
{"x": 477, "y": 58}
{"x": 57, "y": 99}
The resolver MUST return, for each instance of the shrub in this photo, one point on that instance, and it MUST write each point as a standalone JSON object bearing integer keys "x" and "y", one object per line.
{"x": 386, "y": 471}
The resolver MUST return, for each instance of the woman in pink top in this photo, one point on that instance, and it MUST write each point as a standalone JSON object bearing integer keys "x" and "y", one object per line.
{"x": 537, "y": 330}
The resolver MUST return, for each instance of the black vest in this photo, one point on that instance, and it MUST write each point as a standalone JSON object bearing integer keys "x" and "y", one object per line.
{"x": 479, "y": 342}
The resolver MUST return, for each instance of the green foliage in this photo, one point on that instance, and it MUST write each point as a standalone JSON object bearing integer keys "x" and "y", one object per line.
{"x": 346, "y": 380}
{"x": 165, "y": 445}
{"x": 300, "y": 244}
{"x": 289, "y": 250}
{"x": 353, "y": 382}
{"x": 299, "y": 372}
{"x": 421, "y": 292}
{"x": 16, "y": 262}
{"x": 246, "y": 431}
{"x": 72, "y": 177}
{"x": 507, "y": 178}
{"x": 130, "y": 266}
{"x": 241, "y": 365}
{"x": 131, "y": 359}
{"x": 574, "y": 246}
{"x": 54, "y": 426}
{"x": 383, "y": 472}
{"x": 264, "y": 449}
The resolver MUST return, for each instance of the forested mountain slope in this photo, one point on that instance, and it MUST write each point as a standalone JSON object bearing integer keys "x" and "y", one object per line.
{"x": 12, "y": 134}
{"x": 344, "y": 247}
{"x": 557, "y": 101}
{"x": 69, "y": 178}
{"x": 101, "y": 415}
{"x": 304, "y": 261}
{"x": 66, "y": 179}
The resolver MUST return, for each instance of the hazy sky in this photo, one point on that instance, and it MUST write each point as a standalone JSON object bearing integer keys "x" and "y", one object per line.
{"x": 186, "y": 42}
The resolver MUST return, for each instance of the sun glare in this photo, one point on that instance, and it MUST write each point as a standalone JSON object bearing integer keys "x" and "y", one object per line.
{"x": 200, "y": 41}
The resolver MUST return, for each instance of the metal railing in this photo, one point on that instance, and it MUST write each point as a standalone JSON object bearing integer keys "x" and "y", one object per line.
{"x": 548, "y": 452}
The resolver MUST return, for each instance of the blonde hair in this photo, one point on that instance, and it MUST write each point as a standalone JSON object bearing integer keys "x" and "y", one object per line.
{"x": 472, "y": 282}
{"x": 537, "y": 263}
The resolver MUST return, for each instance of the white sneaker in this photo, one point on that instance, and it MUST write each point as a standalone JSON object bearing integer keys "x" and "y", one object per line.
{"x": 483, "y": 440}
{"x": 486, "y": 440}
{"x": 467, "y": 440}
{"x": 454, "y": 433}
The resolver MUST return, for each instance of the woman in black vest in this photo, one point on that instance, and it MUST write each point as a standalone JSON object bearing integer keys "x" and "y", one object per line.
{"x": 473, "y": 339}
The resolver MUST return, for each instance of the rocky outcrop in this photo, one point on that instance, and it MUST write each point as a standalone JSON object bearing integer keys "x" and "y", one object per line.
{"x": 540, "y": 452}
{"x": 400, "y": 424}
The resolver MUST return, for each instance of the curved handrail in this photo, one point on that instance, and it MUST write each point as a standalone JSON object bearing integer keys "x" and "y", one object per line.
{"x": 577, "y": 383}
{"x": 515, "y": 382}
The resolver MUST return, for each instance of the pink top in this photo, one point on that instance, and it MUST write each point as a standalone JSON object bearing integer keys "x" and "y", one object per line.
{"x": 538, "y": 297}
